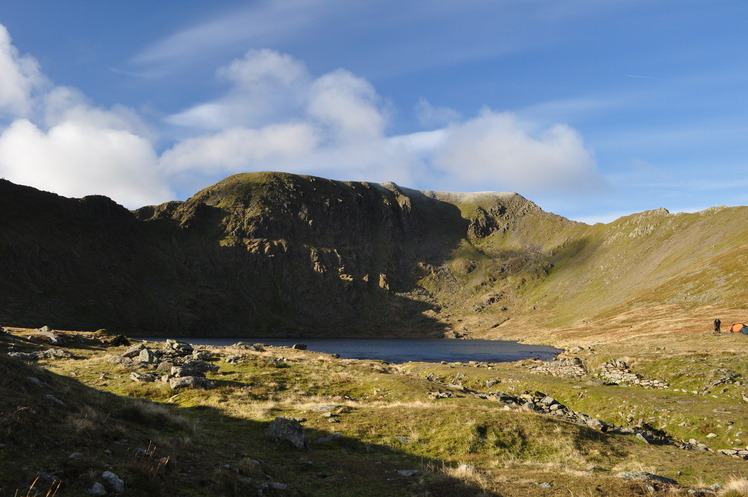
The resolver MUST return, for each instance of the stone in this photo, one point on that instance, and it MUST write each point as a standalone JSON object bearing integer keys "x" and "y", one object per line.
{"x": 146, "y": 355}
{"x": 645, "y": 477}
{"x": 75, "y": 455}
{"x": 202, "y": 355}
{"x": 54, "y": 399}
{"x": 96, "y": 489}
{"x": 233, "y": 359}
{"x": 143, "y": 377}
{"x": 120, "y": 341}
{"x": 113, "y": 482}
{"x": 176, "y": 348}
{"x": 189, "y": 382}
{"x": 407, "y": 472}
{"x": 288, "y": 430}
{"x": 46, "y": 332}
{"x": 712, "y": 435}
{"x": 597, "y": 424}
{"x": 193, "y": 367}
{"x": 37, "y": 382}
{"x": 133, "y": 351}
{"x": 24, "y": 356}
{"x": 299, "y": 346}
{"x": 57, "y": 354}
{"x": 329, "y": 438}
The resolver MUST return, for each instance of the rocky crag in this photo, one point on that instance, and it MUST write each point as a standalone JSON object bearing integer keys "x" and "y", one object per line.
{"x": 273, "y": 254}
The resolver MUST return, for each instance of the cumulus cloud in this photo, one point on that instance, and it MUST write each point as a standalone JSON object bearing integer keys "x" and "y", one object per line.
{"x": 19, "y": 75}
{"x": 274, "y": 115}
{"x": 496, "y": 149}
{"x": 266, "y": 86}
{"x": 239, "y": 149}
{"x": 55, "y": 140}
{"x": 77, "y": 159}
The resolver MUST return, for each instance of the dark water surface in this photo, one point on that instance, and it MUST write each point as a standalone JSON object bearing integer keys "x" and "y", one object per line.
{"x": 404, "y": 350}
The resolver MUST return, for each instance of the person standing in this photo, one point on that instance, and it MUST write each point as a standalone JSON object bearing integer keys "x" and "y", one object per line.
{"x": 717, "y": 324}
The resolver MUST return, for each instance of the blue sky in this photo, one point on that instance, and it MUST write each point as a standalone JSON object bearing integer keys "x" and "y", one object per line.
{"x": 593, "y": 109}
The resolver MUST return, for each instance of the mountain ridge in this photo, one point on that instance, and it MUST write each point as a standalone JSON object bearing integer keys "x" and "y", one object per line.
{"x": 277, "y": 254}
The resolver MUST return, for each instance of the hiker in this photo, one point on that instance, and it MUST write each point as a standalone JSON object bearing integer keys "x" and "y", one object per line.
{"x": 717, "y": 324}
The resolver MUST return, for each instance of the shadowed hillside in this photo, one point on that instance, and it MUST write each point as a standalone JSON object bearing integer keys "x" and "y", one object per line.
{"x": 268, "y": 254}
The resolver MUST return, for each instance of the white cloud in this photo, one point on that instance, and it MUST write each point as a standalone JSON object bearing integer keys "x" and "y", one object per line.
{"x": 348, "y": 105}
{"x": 19, "y": 75}
{"x": 239, "y": 149}
{"x": 75, "y": 149}
{"x": 336, "y": 124}
{"x": 495, "y": 149}
{"x": 266, "y": 87}
{"x": 76, "y": 159}
{"x": 430, "y": 116}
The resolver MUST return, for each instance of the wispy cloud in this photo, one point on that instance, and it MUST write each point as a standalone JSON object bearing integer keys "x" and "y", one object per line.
{"x": 263, "y": 24}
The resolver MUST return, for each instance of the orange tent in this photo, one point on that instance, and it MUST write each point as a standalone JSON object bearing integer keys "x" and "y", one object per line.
{"x": 739, "y": 328}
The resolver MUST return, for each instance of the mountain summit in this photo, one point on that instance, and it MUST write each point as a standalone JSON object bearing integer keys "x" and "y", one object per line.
{"x": 274, "y": 254}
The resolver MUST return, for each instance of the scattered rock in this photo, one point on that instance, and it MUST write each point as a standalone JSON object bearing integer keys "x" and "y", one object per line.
{"x": 646, "y": 477}
{"x": 287, "y": 429}
{"x": 329, "y": 438}
{"x": 143, "y": 377}
{"x": 147, "y": 356}
{"x": 113, "y": 482}
{"x": 617, "y": 372}
{"x": 176, "y": 348}
{"x": 75, "y": 455}
{"x": 202, "y": 355}
{"x": 299, "y": 346}
{"x": 133, "y": 351}
{"x": 46, "y": 332}
{"x": 189, "y": 382}
{"x": 120, "y": 341}
{"x": 37, "y": 382}
{"x": 407, "y": 472}
{"x": 193, "y": 367}
{"x": 97, "y": 489}
{"x": 257, "y": 347}
{"x": 54, "y": 399}
{"x": 568, "y": 368}
{"x": 233, "y": 359}
{"x": 24, "y": 356}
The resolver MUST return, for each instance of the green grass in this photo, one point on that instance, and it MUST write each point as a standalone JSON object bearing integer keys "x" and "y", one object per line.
{"x": 463, "y": 445}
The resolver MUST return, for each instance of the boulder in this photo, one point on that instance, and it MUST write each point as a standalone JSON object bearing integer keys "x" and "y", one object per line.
{"x": 299, "y": 346}
{"x": 146, "y": 355}
{"x": 644, "y": 476}
{"x": 193, "y": 368}
{"x": 97, "y": 489}
{"x": 287, "y": 430}
{"x": 189, "y": 382}
{"x": 176, "y": 348}
{"x": 24, "y": 356}
{"x": 56, "y": 354}
{"x": 133, "y": 351}
{"x": 113, "y": 482}
{"x": 143, "y": 377}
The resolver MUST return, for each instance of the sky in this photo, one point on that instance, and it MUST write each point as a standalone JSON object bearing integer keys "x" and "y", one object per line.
{"x": 592, "y": 109}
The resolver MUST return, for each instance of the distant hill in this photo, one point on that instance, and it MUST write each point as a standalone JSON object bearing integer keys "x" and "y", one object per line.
{"x": 274, "y": 254}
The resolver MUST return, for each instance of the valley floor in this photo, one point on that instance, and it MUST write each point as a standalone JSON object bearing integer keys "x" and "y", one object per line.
{"x": 643, "y": 412}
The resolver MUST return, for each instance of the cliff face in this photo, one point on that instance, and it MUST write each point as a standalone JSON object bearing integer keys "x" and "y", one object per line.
{"x": 272, "y": 254}
{"x": 261, "y": 254}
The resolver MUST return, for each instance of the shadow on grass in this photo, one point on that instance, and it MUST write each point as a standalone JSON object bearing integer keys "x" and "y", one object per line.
{"x": 58, "y": 430}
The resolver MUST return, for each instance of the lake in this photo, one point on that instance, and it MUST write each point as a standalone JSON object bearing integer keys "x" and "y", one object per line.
{"x": 400, "y": 350}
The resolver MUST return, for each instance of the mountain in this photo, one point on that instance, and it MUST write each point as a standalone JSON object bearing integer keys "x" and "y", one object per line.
{"x": 274, "y": 254}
